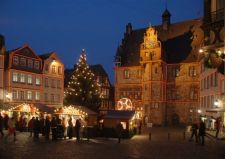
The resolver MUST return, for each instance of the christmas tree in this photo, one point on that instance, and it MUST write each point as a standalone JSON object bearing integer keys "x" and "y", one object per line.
{"x": 82, "y": 87}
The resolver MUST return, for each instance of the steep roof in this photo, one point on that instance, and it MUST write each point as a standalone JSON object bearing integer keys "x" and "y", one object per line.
{"x": 180, "y": 43}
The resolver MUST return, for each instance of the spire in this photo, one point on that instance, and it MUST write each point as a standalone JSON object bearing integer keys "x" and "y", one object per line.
{"x": 128, "y": 28}
{"x": 166, "y": 19}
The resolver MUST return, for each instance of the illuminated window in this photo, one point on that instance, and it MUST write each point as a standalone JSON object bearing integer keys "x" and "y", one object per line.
{"x": 36, "y": 65}
{"x": 29, "y": 79}
{"x": 15, "y": 77}
{"x": 22, "y": 78}
{"x": 37, "y": 96}
{"x": 21, "y": 95}
{"x": 22, "y": 61}
{"x": 176, "y": 72}
{"x": 126, "y": 74}
{"x": 53, "y": 69}
{"x": 59, "y": 70}
{"x": 38, "y": 81}
{"x": 15, "y": 60}
{"x": 192, "y": 71}
{"x": 29, "y": 95}
{"x": 30, "y": 63}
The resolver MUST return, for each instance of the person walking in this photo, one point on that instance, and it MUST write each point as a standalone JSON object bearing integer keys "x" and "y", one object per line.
{"x": 194, "y": 132}
{"x": 31, "y": 126}
{"x": 47, "y": 125}
{"x": 201, "y": 132}
{"x": 70, "y": 128}
{"x": 217, "y": 125}
{"x": 140, "y": 127}
{"x": 1, "y": 125}
{"x": 54, "y": 128}
{"x": 119, "y": 130}
{"x": 77, "y": 129}
{"x": 11, "y": 128}
{"x": 36, "y": 128}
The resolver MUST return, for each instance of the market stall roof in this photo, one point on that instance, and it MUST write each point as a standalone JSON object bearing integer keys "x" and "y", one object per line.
{"x": 44, "y": 108}
{"x": 75, "y": 110}
{"x": 215, "y": 110}
{"x": 24, "y": 107}
{"x": 119, "y": 114}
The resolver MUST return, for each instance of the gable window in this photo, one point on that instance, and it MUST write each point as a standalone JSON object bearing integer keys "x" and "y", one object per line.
{"x": 29, "y": 95}
{"x": 53, "y": 69}
{"x": 36, "y": 65}
{"x": 15, "y": 60}
{"x": 22, "y": 61}
{"x": 29, "y": 79}
{"x": 192, "y": 71}
{"x": 15, "y": 77}
{"x": 126, "y": 74}
{"x": 59, "y": 70}
{"x": 22, "y": 78}
{"x": 38, "y": 81}
{"x": 30, "y": 63}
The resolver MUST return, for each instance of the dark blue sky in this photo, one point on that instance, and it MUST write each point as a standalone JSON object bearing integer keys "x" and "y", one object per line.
{"x": 68, "y": 26}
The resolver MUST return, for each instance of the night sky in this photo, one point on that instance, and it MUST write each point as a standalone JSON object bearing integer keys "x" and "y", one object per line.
{"x": 68, "y": 26}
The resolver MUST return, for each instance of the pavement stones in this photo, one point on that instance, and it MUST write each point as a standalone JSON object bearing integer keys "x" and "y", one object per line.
{"x": 139, "y": 147}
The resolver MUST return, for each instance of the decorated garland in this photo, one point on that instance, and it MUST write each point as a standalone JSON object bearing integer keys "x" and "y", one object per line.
{"x": 212, "y": 60}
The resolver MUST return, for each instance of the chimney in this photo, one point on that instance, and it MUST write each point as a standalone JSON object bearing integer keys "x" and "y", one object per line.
{"x": 2, "y": 44}
{"x": 166, "y": 19}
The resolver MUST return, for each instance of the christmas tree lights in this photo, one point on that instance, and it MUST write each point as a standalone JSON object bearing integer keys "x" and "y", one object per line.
{"x": 82, "y": 88}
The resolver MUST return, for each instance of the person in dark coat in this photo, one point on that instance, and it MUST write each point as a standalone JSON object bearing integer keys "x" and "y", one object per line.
{"x": 36, "y": 127}
{"x": 47, "y": 125}
{"x": 70, "y": 128}
{"x": 1, "y": 125}
{"x": 194, "y": 132}
{"x": 31, "y": 126}
{"x": 77, "y": 129}
{"x": 54, "y": 128}
{"x": 119, "y": 130}
{"x": 6, "y": 118}
{"x": 201, "y": 133}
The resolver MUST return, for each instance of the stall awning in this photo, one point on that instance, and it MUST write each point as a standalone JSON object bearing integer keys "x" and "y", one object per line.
{"x": 44, "y": 108}
{"x": 119, "y": 114}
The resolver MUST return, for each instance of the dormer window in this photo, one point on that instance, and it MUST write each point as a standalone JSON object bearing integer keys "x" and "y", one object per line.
{"x": 53, "y": 69}
{"x": 15, "y": 60}
{"x": 36, "y": 65}
{"x": 22, "y": 61}
{"x": 30, "y": 63}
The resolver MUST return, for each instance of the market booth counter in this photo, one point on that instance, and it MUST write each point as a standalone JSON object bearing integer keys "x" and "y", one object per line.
{"x": 87, "y": 116}
{"x": 125, "y": 117}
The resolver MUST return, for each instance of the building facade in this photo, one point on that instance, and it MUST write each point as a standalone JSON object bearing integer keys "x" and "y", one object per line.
{"x": 212, "y": 79}
{"x": 157, "y": 68}
{"x": 23, "y": 76}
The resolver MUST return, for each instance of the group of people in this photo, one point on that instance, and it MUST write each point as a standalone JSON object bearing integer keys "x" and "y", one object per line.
{"x": 198, "y": 131}
{"x": 60, "y": 128}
